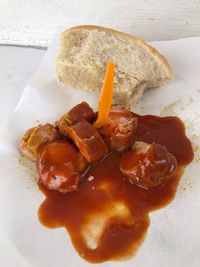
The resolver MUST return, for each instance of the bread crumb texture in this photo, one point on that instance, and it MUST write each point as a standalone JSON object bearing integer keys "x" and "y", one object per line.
{"x": 85, "y": 51}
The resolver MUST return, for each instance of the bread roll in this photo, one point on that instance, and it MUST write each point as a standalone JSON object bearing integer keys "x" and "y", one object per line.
{"x": 85, "y": 50}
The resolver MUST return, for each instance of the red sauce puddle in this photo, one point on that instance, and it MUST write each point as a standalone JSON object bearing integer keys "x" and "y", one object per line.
{"x": 121, "y": 236}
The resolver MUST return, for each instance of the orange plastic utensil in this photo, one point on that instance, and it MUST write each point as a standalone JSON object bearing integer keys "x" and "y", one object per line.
{"x": 106, "y": 96}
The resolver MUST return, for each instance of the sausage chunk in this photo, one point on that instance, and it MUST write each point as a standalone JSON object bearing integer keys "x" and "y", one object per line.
{"x": 88, "y": 140}
{"x": 80, "y": 112}
{"x": 34, "y": 137}
{"x": 120, "y": 131}
{"x": 148, "y": 165}
{"x": 58, "y": 164}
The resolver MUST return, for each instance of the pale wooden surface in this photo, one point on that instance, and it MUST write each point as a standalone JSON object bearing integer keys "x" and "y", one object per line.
{"x": 33, "y": 23}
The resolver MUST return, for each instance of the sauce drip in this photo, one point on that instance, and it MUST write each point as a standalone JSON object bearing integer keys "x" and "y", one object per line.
{"x": 108, "y": 217}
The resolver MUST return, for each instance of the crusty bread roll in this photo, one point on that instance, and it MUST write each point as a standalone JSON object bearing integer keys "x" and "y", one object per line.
{"x": 85, "y": 50}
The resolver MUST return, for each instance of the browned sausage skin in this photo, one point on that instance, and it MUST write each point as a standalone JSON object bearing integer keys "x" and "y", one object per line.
{"x": 148, "y": 165}
{"x": 34, "y": 137}
{"x": 79, "y": 112}
{"x": 58, "y": 164}
{"x": 88, "y": 140}
{"x": 120, "y": 131}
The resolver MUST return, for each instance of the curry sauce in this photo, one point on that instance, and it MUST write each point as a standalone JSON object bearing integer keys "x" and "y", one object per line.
{"x": 107, "y": 217}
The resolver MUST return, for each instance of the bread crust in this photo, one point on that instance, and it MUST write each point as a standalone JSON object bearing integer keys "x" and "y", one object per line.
{"x": 151, "y": 50}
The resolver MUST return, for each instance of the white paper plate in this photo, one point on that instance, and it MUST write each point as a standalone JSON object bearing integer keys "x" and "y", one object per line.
{"x": 173, "y": 238}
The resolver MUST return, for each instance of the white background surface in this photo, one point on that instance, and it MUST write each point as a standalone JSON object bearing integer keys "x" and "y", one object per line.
{"x": 17, "y": 64}
{"x": 34, "y": 22}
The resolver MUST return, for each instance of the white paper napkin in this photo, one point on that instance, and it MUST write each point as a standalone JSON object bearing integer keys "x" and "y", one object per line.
{"x": 173, "y": 238}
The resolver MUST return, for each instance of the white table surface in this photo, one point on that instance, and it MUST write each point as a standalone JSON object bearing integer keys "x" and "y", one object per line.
{"x": 33, "y": 23}
{"x": 17, "y": 64}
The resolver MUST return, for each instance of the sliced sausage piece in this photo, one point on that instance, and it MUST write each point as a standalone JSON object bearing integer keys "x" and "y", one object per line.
{"x": 88, "y": 140}
{"x": 78, "y": 113}
{"x": 34, "y": 137}
{"x": 148, "y": 165}
{"x": 120, "y": 131}
{"x": 58, "y": 164}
